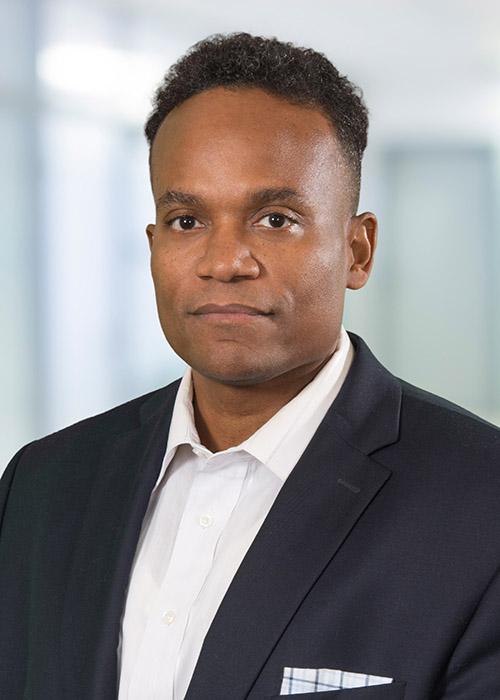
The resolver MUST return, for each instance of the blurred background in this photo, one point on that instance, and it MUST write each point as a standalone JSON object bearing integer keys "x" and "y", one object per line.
{"x": 77, "y": 311}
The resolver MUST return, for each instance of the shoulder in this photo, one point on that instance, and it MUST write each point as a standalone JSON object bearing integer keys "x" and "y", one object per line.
{"x": 88, "y": 434}
{"x": 439, "y": 421}
{"x": 63, "y": 465}
{"x": 447, "y": 455}
{"x": 384, "y": 413}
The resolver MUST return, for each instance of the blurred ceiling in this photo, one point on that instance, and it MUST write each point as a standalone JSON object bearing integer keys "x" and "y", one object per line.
{"x": 424, "y": 67}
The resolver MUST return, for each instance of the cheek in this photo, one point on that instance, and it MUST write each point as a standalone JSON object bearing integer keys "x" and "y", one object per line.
{"x": 166, "y": 271}
{"x": 167, "y": 280}
{"x": 321, "y": 282}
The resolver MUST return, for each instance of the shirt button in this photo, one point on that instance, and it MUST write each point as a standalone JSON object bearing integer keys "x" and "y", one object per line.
{"x": 168, "y": 617}
{"x": 205, "y": 520}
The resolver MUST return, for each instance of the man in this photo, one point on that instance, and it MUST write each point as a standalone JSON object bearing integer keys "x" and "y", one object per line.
{"x": 289, "y": 518}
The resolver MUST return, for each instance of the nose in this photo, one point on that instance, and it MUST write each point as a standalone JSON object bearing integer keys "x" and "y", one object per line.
{"x": 227, "y": 256}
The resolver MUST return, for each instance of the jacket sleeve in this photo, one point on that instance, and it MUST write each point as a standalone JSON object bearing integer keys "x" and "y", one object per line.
{"x": 6, "y": 481}
{"x": 473, "y": 670}
{"x": 13, "y": 634}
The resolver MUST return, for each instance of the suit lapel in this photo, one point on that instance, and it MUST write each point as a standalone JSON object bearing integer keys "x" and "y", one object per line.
{"x": 105, "y": 549}
{"x": 331, "y": 485}
{"x": 319, "y": 504}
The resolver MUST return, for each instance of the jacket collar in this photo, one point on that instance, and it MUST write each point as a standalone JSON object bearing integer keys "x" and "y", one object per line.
{"x": 366, "y": 413}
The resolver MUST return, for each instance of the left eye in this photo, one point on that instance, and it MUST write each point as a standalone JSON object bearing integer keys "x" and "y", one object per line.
{"x": 277, "y": 220}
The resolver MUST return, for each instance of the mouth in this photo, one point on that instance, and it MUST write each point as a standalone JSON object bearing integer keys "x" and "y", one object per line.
{"x": 232, "y": 313}
{"x": 230, "y": 309}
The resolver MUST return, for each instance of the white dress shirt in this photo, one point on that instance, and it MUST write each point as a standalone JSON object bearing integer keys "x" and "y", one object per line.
{"x": 204, "y": 512}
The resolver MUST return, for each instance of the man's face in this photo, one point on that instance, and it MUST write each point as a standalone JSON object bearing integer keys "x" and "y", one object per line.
{"x": 252, "y": 208}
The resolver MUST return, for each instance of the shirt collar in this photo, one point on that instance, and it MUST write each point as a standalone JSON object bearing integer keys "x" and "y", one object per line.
{"x": 281, "y": 440}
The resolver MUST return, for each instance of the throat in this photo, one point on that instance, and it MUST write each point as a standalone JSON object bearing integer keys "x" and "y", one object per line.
{"x": 219, "y": 434}
{"x": 226, "y": 416}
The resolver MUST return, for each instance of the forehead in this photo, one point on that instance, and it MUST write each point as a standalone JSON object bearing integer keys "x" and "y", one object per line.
{"x": 244, "y": 135}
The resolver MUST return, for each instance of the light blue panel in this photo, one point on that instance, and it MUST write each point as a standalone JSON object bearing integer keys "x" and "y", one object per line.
{"x": 436, "y": 320}
{"x": 20, "y": 380}
{"x": 142, "y": 358}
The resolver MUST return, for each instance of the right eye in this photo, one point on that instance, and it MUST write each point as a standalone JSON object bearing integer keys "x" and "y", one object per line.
{"x": 186, "y": 222}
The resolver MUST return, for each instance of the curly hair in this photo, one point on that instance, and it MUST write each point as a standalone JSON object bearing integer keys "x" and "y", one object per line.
{"x": 299, "y": 75}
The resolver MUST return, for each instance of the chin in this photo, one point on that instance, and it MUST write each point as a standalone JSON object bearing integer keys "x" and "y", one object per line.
{"x": 243, "y": 376}
{"x": 233, "y": 363}
{"x": 233, "y": 371}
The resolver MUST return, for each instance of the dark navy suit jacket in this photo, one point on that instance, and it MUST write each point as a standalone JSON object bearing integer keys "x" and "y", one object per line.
{"x": 380, "y": 555}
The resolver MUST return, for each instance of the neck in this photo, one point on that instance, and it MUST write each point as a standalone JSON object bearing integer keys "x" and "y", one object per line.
{"x": 226, "y": 415}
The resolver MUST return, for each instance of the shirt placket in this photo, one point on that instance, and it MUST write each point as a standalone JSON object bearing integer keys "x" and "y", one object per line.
{"x": 213, "y": 495}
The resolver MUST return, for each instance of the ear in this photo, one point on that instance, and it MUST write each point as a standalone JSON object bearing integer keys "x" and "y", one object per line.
{"x": 150, "y": 231}
{"x": 361, "y": 241}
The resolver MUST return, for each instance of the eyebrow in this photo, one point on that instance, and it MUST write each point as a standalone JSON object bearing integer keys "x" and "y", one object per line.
{"x": 258, "y": 198}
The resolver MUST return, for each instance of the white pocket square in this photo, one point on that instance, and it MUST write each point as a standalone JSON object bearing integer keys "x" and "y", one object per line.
{"x": 316, "y": 680}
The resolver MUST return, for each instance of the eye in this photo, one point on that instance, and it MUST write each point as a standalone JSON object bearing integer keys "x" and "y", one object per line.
{"x": 278, "y": 220}
{"x": 186, "y": 222}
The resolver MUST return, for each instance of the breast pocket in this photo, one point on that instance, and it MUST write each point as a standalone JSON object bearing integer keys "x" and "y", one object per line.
{"x": 386, "y": 691}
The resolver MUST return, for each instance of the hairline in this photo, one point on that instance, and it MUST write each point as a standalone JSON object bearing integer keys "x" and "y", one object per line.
{"x": 354, "y": 172}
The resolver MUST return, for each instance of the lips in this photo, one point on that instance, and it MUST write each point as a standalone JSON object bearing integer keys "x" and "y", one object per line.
{"x": 230, "y": 309}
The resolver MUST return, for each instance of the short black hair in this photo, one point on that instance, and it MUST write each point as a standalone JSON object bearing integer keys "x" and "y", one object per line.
{"x": 299, "y": 75}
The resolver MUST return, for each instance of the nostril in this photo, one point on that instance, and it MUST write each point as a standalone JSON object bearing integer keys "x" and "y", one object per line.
{"x": 227, "y": 267}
